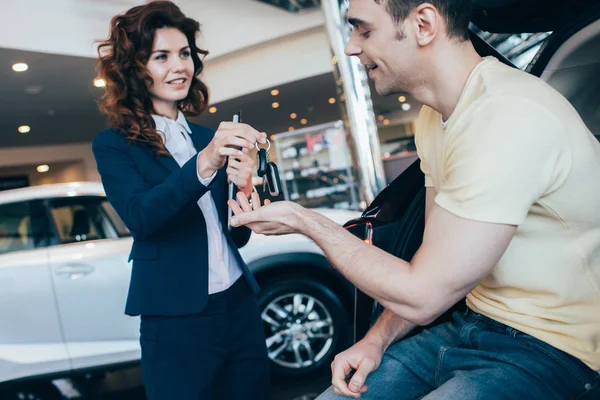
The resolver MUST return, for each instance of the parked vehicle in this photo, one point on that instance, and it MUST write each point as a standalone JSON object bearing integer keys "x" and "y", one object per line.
{"x": 64, "y": 276}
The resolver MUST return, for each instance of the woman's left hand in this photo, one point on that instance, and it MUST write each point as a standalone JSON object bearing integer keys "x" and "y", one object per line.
{"x": 239, "y": 171}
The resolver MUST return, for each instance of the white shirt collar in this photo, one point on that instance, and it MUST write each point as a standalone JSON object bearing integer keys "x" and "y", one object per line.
{"x": 161, "y": 122}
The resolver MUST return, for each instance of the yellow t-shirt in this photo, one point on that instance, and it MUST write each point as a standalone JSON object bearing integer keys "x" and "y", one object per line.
{"x": 516, "y": 152}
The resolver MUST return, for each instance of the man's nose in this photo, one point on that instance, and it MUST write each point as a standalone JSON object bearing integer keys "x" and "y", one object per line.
{"x": 352, "y": 49}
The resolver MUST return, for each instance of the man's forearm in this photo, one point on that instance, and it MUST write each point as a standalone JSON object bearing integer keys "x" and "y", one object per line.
{"x": 388, "y": 329}
{"x": 388, "y": 279}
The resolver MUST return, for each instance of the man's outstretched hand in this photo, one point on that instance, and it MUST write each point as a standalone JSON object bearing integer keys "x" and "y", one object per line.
{"x": 280, "y": 218}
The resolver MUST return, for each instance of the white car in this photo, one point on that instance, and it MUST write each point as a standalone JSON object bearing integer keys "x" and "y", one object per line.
{"x": 64, "y": 276}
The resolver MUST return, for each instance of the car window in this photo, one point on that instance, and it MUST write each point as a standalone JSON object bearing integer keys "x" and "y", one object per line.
{"x": 78, "y": 219}
{"x": 118, "y": 223}
{"x": 23, "y": 226}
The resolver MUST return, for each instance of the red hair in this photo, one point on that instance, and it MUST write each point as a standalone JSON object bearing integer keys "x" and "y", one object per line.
{"x": 122, "y": 62}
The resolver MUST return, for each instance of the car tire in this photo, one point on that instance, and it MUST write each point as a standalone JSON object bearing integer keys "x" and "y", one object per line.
{"x": 304, "y": 323}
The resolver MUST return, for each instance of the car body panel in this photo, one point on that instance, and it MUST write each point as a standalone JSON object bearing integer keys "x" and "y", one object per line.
{"x": 31, "y": 340}
{"x": 521, "y": 16}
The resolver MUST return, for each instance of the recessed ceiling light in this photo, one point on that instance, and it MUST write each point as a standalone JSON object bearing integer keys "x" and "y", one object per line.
{"x": 20, "y": 67}
{"x": 275, "y": 105}
{"x": 303, "y": 121}
{"x": 99, "y": 82}
{"x": 43, "y": 168}
{"x": 406, "y": 106}
{"x": 212, "y": 110}
{"x": 274, "y": 92}
{"x": 24, "y": 129}
{"x": 380, "y": 117}
{"x": 272, "y": 138}
{"x": 402, "y": 99}
{"x": 342, "y": 98}
{"x": 293, "y": 115}
{"x": 331, "y": 100}
{"x": 291, "y": 129}
{"x": 386, "y": 121}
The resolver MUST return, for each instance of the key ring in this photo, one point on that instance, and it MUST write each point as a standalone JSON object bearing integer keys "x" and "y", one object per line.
{"x": 268, "y": 148}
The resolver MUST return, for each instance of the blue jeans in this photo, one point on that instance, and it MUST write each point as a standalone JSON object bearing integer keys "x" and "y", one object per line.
{"x": 476, "y": 358}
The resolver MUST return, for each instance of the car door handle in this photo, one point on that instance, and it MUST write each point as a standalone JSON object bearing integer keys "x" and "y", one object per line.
{"x": 74, "y": 272}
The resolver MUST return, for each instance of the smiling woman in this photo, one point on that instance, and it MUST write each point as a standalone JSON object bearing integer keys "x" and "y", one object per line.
{"x": 167, "y": 179}
{"x": 133, "y": 65}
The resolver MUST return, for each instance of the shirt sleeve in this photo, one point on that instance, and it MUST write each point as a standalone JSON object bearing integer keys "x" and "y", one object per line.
{"x": 506, "y": 156}
{"x": 204, "y": 181}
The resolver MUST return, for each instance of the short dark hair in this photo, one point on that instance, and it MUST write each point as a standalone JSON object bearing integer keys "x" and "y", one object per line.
{"x": 457, "y": 13}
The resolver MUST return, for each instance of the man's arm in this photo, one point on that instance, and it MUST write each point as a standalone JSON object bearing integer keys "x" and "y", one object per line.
{"x": 430, "y": 194}
{"x": 455, "y": 256}
{"x": 389, "y": 327}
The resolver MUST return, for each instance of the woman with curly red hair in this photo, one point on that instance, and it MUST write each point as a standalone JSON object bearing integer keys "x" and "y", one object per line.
{"x": 167, "y": 178}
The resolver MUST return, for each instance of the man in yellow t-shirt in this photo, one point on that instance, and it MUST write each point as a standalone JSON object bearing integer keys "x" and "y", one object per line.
{"x": 512, "y": 223}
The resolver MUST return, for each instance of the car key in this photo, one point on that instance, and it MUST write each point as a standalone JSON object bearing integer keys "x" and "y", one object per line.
{"x": 273, "y": 179}
{"x": 262, "y": 163}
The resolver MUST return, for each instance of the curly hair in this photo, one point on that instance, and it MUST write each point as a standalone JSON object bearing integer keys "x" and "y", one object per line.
{"x": 122, "y": 62}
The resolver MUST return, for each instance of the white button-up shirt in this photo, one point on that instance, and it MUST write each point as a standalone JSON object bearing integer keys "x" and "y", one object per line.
{"x": 223, "y": 269}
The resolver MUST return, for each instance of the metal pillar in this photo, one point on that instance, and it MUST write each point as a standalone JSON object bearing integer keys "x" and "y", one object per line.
{"x": 355, "y": 99}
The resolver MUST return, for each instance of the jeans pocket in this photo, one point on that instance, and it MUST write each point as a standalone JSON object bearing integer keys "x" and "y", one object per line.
{"x": 573, "y": 365}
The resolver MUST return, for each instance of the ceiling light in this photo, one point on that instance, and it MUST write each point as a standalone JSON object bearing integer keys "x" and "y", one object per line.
{"x": 331, "y": 100}
{"x": 342, "y": 98}
{"x": 212, "y": 110}
{"x": 43, "y": 168}
{"x": 275, "y": 105}
{"x": 386, "y": 121}
{"x": 380, "y": 117}
{"x": 303, "y": 121}
{"x": 20, "y": 67}
{"x": 274, "y": 92}
{"x": 291, "y": 129}
{"x": 334, "y": 60}
{"x": 406, "y": 106}
{"x": 402, "y": 99}
{"x": 293, "y": 115}
{"x": 24, "y": 129}
{"x": 99, "y": 82}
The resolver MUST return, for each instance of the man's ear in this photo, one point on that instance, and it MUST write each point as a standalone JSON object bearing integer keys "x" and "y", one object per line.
{"x": 427, "y": 22}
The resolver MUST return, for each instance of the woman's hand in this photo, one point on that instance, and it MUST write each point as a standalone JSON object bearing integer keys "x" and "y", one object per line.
{"x": 229, "y": 139}
{"x": 239, "y": 171}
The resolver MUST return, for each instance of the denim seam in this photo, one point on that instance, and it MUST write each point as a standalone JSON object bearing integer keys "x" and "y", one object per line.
{"x": 554, "y": 358}
{"x": 439, "y": 364}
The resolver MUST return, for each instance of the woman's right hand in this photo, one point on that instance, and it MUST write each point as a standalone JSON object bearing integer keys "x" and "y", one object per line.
{"x": 228, "y": 140}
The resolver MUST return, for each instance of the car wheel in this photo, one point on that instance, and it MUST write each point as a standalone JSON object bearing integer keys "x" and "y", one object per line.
{"x": 303, "y": 322}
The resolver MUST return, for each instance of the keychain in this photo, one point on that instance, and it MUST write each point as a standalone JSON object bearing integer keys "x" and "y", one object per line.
{"x": 268, "y": 170}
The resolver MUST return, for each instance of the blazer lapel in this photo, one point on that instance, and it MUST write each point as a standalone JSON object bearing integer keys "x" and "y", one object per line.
{"x": 168, "y": 162}
{"x": 200, "y": 137}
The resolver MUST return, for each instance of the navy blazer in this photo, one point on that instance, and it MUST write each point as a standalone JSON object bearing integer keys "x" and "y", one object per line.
{"x": 158, "y": 201}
